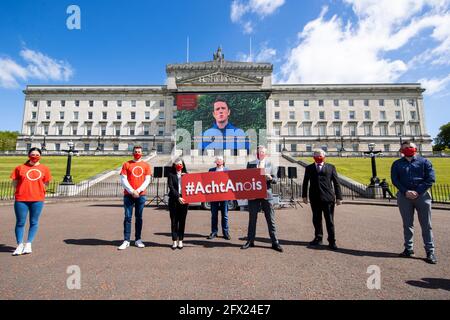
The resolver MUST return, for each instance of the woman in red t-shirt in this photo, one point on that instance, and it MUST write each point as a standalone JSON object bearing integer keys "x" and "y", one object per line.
{"x": 30, "y": 181}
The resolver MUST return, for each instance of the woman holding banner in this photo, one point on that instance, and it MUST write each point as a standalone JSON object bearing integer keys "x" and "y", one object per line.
{"x": 30, "y": 181}
{"x": 177, "y": 206}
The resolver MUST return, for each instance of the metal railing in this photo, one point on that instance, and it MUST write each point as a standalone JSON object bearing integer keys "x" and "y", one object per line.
{"x": 285, "y": 189}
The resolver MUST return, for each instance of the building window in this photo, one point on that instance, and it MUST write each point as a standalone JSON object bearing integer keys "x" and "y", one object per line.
{"x": 352, "y": 129}
{"x": 147, "y": 115}
{"x": 384, "y": 130}
{"x": 277, "y": 115}
{"x": 49, "y": 103}
{"x": 119, "y": 103}
{"x": 413, "y": 115}
{"x": 387, "y": 147}
{"x": 133, "y": 103}
{"x": 91, "y": 103}
{"x": 322, "y": 115}
{"x": 175, "y": 113}
{"x": 132, "y": 130}
{"x": 276, "y": 130}
{"x": 278, "y": 147}
{"x": 160, "y": 130}
{"x": 77, "y": 103}
{"x": 161, "y": 103}
{"x": 308, "y": 148}
{"x": 322, "y": 130}
{"x": 63, "y": 103}
{"x": 324, "y": 147}
{"x": 147, "y": 103}
{"x": 105, "y": 103}
{"x": 306, "y": 103}
{"x": 381, "y": 102}
{"x": 146, "y": 130}
{"x": 60, "y": 130}
{"x": 292, "y": 129}
{"x": 307, "y": 115}
{"x": 382, "y": 115}
{"x": 337, "y": 129}
{"x": 351, "y": 115}
{"x": 366, "y": 102}
{"x": 119, "y": 115}
{"x": 117, "y": 131}
{"x": 130, "y": 146}
{"x": 116, "y": 147}
{"x": 61, "y": 115}
{"x": 336, "y": 103}
{"x": 307, "y": 129}
{"x": 399, "y": 129}
{"x": 57, "y": 146}
{"x": 89, "y": 130}
{"x": 32, "y": 130}
{"x": 398, "y": 115}
{"x": 133, "y": 115}
{"x": 104, "y": 115}
{"x": 74, "y": 130}
{"x": 103, "y": 130}
{"x": 320, "y": 103}
{"x": 28, "y": 146}
{"x": 291, "y": 115}
{"x": 90, "y": 115}
{"x": 35, "y": 103}
{"x": 351, "y": 103}
{"x": 159, "y": 147}
{"x": 276, "y": 103}
{"x": 293, "y": 147}
{"x": 75, "y": 115}
{"x": 161, "y": 115}
{"x": 355, "y": 147}
{"x": 411, "y": 102}
{"x": 415, "y": 130}
{"x": 337, "y": 115}
{"x": 47, "y": 115}
{"x": 34, "y": 115}
{"x": 86, "y": 147}
{"x": 291, "y": 103}
{"x": 397, "y": 102}
{"x": 367, "y": 115}
{"x": 46, "y": 130}
{"x": 368, "y": 129}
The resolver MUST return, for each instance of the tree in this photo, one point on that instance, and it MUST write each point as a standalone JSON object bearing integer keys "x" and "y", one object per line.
{"x": 442, "y": 141}
{"x": 8, "y": 140}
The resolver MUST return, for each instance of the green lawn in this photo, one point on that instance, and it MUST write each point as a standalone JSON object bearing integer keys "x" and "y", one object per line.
{"x": 359, "y": 169}
{"x": 82, "y": 167}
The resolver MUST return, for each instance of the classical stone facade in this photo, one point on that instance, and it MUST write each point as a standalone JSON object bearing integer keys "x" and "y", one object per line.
{"x": 338, "y": 118}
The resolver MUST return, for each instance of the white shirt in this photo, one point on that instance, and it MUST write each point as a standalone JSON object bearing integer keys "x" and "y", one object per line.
{"x": 179, "y": 183}
{"x": 219, "y": 169}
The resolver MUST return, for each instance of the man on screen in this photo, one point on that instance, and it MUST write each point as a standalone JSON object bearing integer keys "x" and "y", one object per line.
{"x": 223, "y": 135}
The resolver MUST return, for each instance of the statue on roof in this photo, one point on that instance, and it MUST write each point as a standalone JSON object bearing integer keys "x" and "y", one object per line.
{"x": 219, "y": 56}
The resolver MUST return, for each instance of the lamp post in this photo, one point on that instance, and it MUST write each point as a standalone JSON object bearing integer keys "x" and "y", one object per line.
{"x": 154, "y": 143}
{"x": 342, "y": 145}
{"x": 284, "y": 144}
{"x": 68, "y": 177}
{"x": 374, "y": 181}
{"x": 98, "y": 144}
{"x": 44, "y": 144}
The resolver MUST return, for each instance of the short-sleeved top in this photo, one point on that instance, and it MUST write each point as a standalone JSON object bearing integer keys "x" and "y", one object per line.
{"x": 31, "y": 182}
{"x": 136, "y": 173}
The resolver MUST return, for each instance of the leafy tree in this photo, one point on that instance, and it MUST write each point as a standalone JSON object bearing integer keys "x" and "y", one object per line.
{"x": 8, "y": 140}
{"x": 442, "y": 140}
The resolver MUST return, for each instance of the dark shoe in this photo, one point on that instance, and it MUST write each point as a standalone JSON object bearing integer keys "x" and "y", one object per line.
{"x": 277, "y": 247}
{"x": 212, "y": 236}
{"x": 333, "y": 246}
{"x": 316, "y": 242}
{"x": 227, "y": 237}
{"x": 247, "y": 245}
{"x": 407, "y": 253}
{"x": 431, "y": 258}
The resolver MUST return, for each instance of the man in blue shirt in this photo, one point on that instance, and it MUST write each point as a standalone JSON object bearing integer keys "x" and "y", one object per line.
{"x": 223, "y": 135}
{"x": 413, "y": 176}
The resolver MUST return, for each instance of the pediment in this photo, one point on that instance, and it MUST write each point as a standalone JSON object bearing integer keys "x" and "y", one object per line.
{"x": 220, "y": 77}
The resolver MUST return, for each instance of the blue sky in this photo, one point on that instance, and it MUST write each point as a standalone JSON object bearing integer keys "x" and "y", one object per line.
{"x": 309, "y": 41}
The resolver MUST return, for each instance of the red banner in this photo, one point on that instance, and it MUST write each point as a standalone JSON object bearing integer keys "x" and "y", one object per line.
{"x": 224, "y": 185}
{"x": 186, "y": 101}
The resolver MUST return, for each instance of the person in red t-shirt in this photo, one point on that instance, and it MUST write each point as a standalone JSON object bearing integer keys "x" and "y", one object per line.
{"x": 30, "y": 181}
{"x": 135, "y": 177}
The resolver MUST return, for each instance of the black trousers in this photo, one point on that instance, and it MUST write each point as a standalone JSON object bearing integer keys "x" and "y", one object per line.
{"x": 178, "y": 213}
{"x": 327, "y": 209}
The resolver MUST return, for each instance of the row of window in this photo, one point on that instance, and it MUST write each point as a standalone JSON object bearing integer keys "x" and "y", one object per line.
{"x": 90, "y": 115}
{"x": 337, "y": 147}
{"x": 105, "y": 103}
{"x": 103, "y": 130}
{"x": 367, "y": 128}
{"x": 101, "y": 147}
{"x": 351, "y": 115}
{"x": 350, "y": 102}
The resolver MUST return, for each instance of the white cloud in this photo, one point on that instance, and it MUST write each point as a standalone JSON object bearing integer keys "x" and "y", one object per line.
{"x": 260, "y": 8}
{"x": 337, "y": 51}
{"x": 38, "y": 66}
{"x": 264, "y": 54}
{"x": 435, "y": 85}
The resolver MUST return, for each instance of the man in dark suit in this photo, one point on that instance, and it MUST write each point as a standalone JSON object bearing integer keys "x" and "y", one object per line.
{"x": 219, "y": 205}
{"x": 324, "y": 192}
{"x": 254, "y": 206}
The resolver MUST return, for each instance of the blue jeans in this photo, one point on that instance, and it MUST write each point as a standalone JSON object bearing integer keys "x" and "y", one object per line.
{"x": 21, "y": 209}
{"x": 423, "y": 206}
{"x": 223, "y": 207}
{"x": 128, "y": 203}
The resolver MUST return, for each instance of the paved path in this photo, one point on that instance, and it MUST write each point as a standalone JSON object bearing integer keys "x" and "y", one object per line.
{"x": 87, "y": 234}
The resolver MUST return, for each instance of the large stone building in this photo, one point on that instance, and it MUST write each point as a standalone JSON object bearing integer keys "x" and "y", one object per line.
{"x": 338, "y": 118}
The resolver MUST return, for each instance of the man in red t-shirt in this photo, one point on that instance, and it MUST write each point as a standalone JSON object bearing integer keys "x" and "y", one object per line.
{"x": 135, "y": 177}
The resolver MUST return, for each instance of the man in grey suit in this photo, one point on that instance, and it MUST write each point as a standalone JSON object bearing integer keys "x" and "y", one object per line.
{"x": 254, "y": 206}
